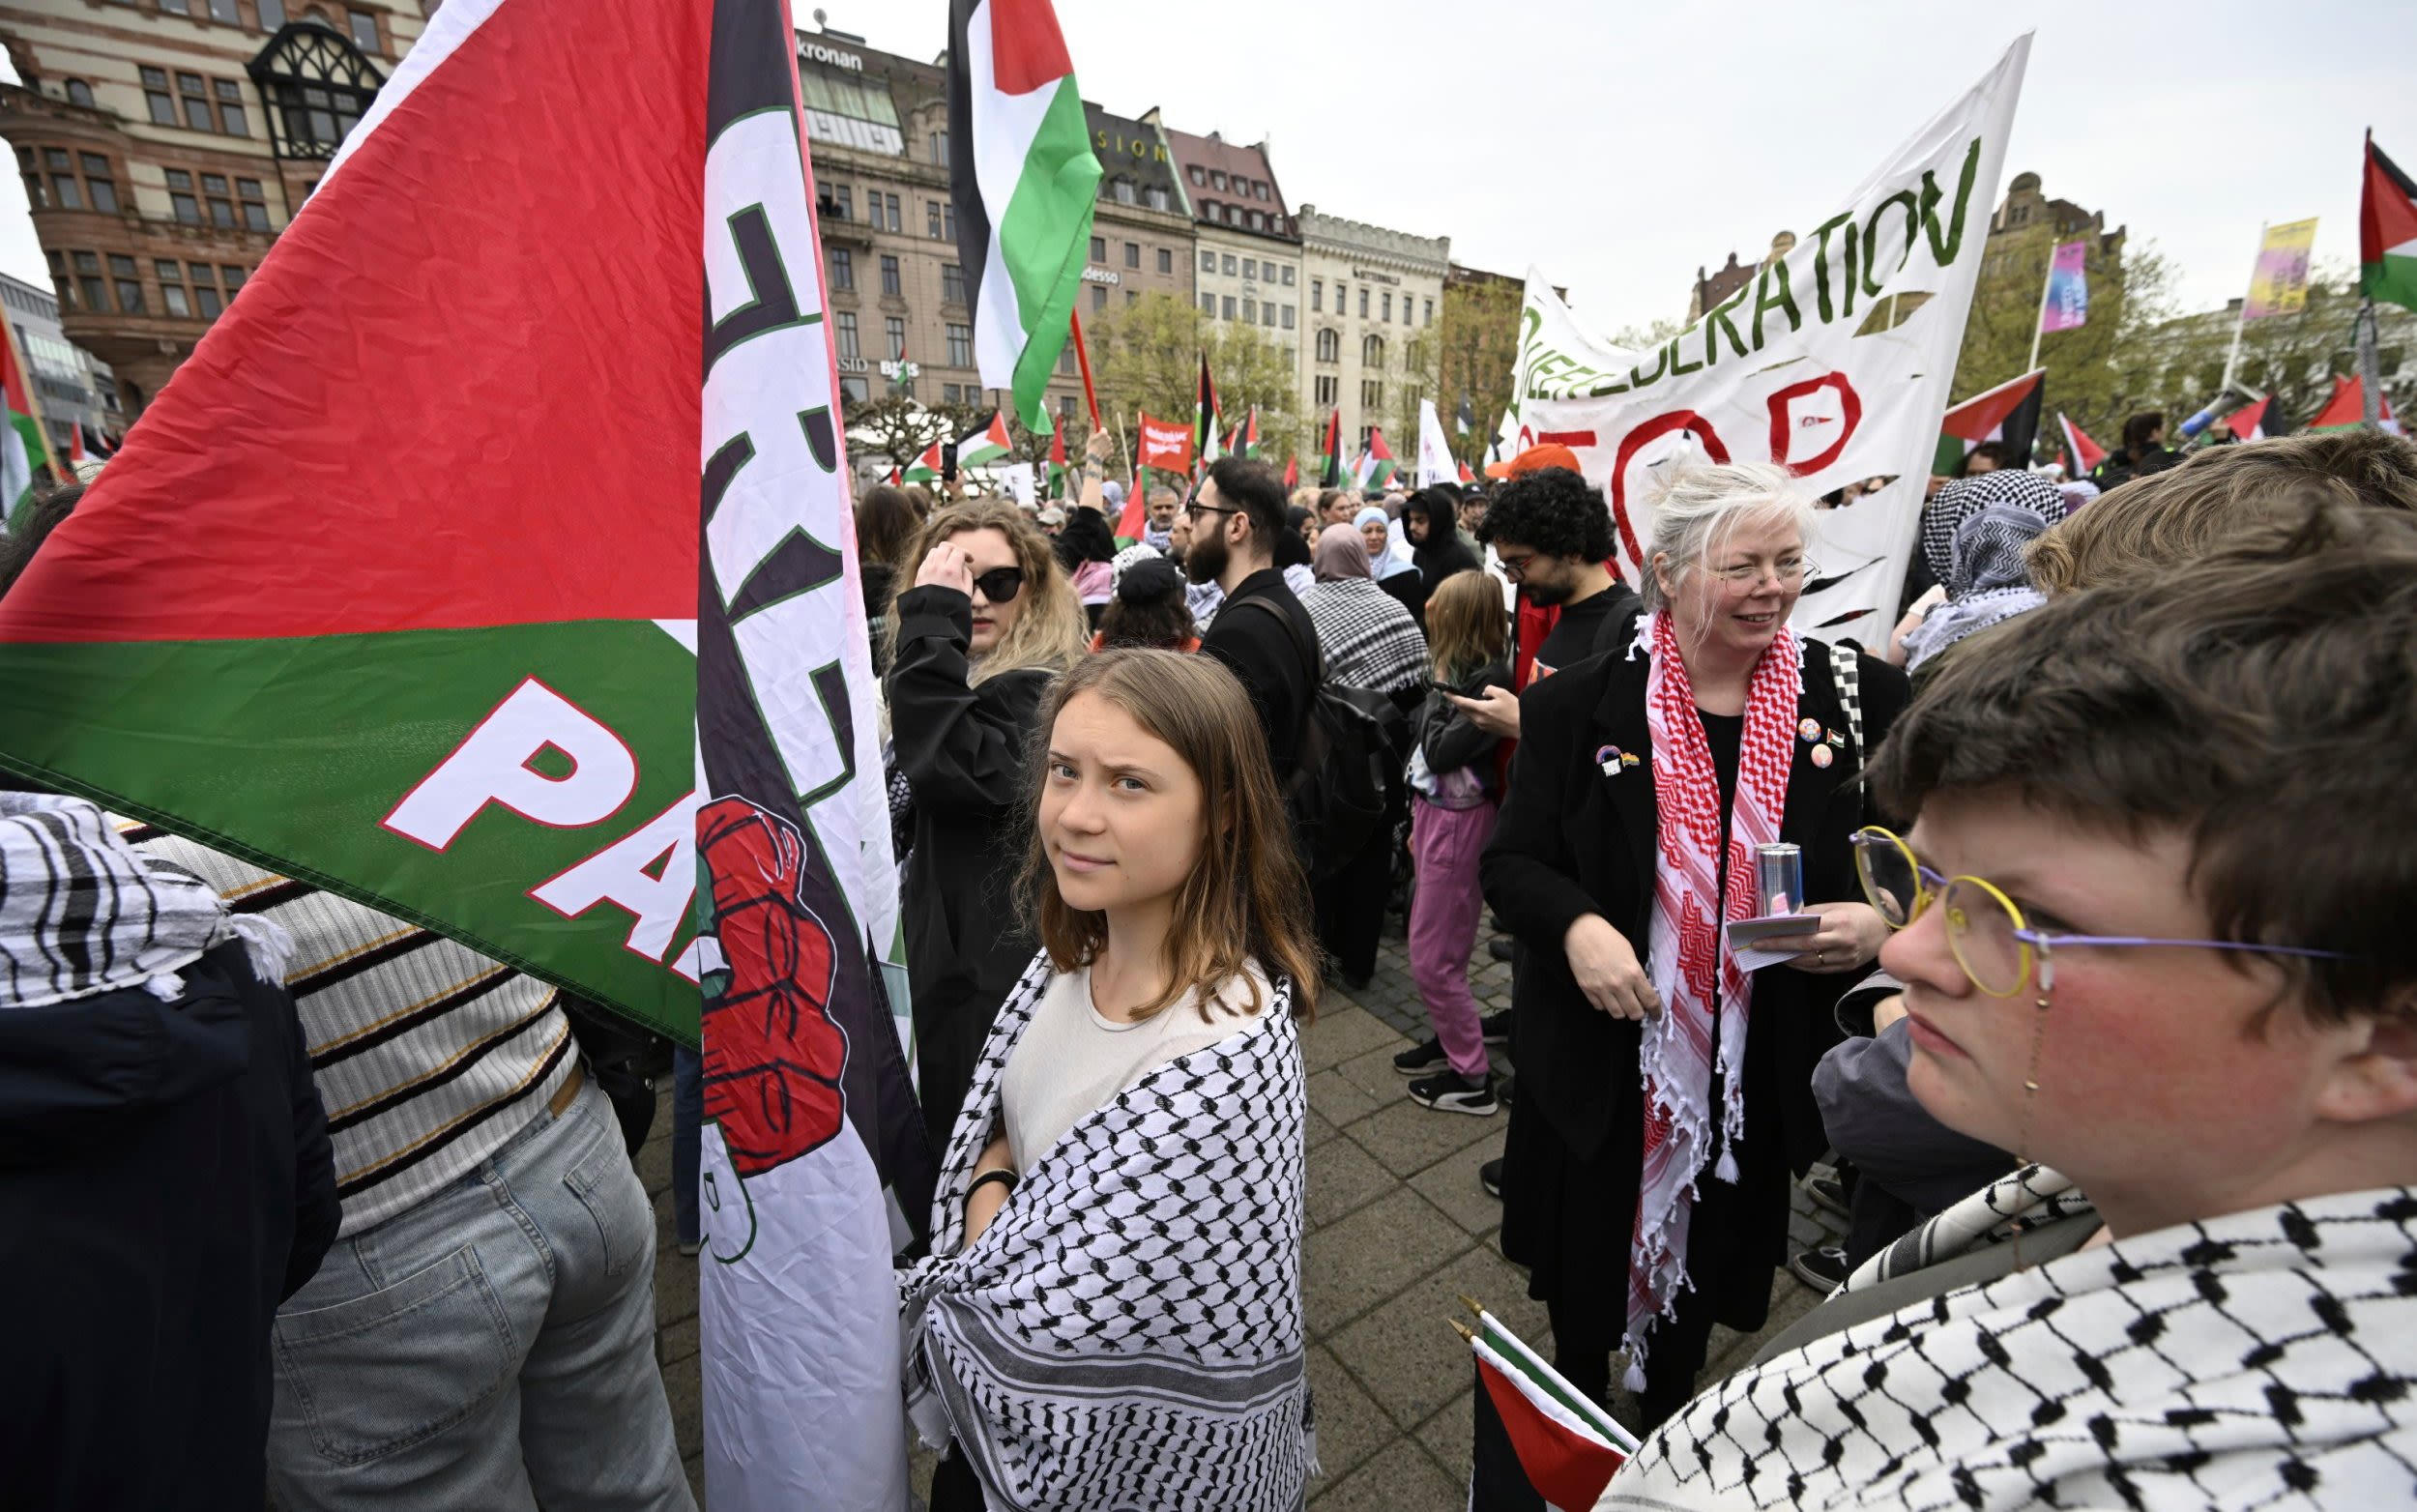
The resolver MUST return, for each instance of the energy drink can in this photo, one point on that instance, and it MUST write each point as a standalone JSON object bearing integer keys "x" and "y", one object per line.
{"x": 1779, "y": 878}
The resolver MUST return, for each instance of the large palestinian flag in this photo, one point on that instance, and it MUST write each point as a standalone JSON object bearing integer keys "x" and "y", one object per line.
{"x": 2008, "y": 414}
{"x": 2387, "y": 232}
{"x": 1022, "y": 177}
{"x": 385, "y": 592}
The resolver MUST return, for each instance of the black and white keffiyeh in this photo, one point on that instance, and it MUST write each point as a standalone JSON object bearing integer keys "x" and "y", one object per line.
{"x": 1369, "y": 640}
{"x": 1127, "y": 1333}
{"x": 1988, "y": 585}
{"x": 2261, "y": 1359}
{"x": 83, "y": 912}
{"x": 1961, "y": 498}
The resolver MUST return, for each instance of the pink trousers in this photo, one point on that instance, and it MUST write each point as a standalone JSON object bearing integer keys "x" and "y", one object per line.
{"x": 1444, "y": 845}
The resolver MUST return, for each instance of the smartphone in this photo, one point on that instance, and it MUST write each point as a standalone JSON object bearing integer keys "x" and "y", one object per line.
{"x": 948, "y": 461}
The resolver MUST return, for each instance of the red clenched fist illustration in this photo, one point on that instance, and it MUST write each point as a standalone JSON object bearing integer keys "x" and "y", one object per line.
{"x": 772, "y": 1057}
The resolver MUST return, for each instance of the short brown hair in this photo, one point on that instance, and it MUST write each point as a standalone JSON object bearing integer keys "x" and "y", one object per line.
{"x": 2259, "y": 704}
{"x": 2159, "y": 522}
{"x": 1246, "y": 897}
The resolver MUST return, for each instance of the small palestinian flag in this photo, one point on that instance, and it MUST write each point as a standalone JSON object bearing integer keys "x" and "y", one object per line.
{"x": 2387, "y": 232}
{"x": 2082, "y": 455}
{"x": 1135, "y": 518}
{"x": 2258, "y": 420}
{"x": 1568, "y": 1447}
{"x": 1291, "y": 473}
{"x": 1204, "y": 415}
{"x": 924, "y": 469}
{"x": 1057, "y": 463}
{"x": 1466, "y": 476}
{"x": 97, "y": 446}
{"x": 2348, "y": 407}
{"x": 986, "y": 445}
{"x": 1465, "y": 419}
{"x": 1330, "y": 475}
{"x": 897, "y": 475}
{"x": 1376, "y": 464}
{"x": 2008, "y": 414}
{"x": 1024, "y": 179}
{"x": 24, "y": 451}
{"x": 1244, "y": 442}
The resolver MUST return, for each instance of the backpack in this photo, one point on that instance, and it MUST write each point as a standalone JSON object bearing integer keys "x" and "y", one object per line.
{"x": 1345, "y": 760}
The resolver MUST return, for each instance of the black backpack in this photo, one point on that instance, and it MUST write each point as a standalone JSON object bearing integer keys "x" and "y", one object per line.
{"x": 1344, "y": 760}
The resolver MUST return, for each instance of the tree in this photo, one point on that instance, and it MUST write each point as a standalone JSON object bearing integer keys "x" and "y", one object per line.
{"x": 1146, "y": 356}
{"x": 1477, "y": 342}
{"x": 2292, "y": 357}
{"x": 1415, "y": 380}
{"x": 896, "y": 427}
{"x": 2096, "y": 373}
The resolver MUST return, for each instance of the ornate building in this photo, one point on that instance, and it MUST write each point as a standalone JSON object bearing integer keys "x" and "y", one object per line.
{"x": 1370, "y": 349}
{"x": 1249, "y": 245}
{"x": 163, "y": 144}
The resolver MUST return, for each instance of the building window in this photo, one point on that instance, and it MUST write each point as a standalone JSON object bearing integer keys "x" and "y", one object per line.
{"x": 196, "y": 96}
{"x": 129, "y": 283}
{"x": 952, "y": 282}
{"x": 894, "y": 327}
{"x": 1429, "y": 319}
{"x": 364, "y": 30}
{"x": 180, "y": 199}
{"x": 1288, "y": 276}
{"x": 273, "y": 13}
{"x": 1250, "y": 311}
{"x": 897, "y": 221}
{"x": 156, "y": 93}
{"x": 172, "y": 288}
{"x": 1157, "y": 195}
{"x": 1341, "y": 301}
{"x": 1372, "y": 352}
{"x": 1328, "y": 387}
{"x": 65, "y": 192}
{"x": 1250, "y": 268}
{"x": 1317, "y": 295}
{"x": 1099, "y": 250}
{"x": 1228, "y": 306}
{"x": 1209, "y": 306}
{"x": 842, "y": 202}
{"x": 1066, "y": 407}
{"x": 842, "y": 268}
{"x": 855, "y": 391}
{"x": 1066, "y": 357}
{"x": 1166, "y": 260}
{"x": 1099, "y": 296}
{"x": 1207, "y": 262}
{"x": 940, "y": 148}
{"x": 1198, "y": 178}
{"x": 960, "y": 346}
{"x": 316, "y": 88}
{"x": 931, "y": 218}
{"x": 948, "y": 224}
{"x": 1217, "y": 181}
{"x": 1266, "y": 313}
{"x": 890, "y": 276}
{"x": 1132, "y": 254}
{"x": 1388, "y": 307}
{"x": 255, "y": 208}
{"x": 233, "y": 278}
{"x": 846, "y": 320}
{"x": 224, "y": 10}
{"x": 231, "y": 117}
{"x": 176, "y": 6}
{"x": 205, "y": 292}
{"x": 1363, "y": 302}
{"x": 1258, "y": 221}
{"x": 1288, "y": 317}
{"x": 1132, "y": 296}
{"x": 1329, "y": 346}
{"x": 1371, "y": 393}
{"x": 1229, "y": 265}
{"x": 1125, "y": 191}
{"x": 79, "y": 93}
{"x": 88, "y": 278}
{"x": 952, "y": 393}
{"x": 221, "y": 208}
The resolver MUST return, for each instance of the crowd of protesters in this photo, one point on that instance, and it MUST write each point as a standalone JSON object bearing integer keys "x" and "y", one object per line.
{"x": 2101, "y": 1009}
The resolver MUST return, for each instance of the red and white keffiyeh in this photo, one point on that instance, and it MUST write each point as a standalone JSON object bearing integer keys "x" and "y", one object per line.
{"x": 1693, "y": 969}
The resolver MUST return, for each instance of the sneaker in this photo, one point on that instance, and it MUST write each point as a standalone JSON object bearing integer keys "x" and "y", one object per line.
{"x": 1827, "y": 1192}
{"x": 1500, "y": 948}
{"x": 1423, "y": 1058}
{"x": 1489, "y": 1176}
{"x": 1822, "y": 1270}
{"x": 1497, "y": 1028}
{"x": 1448, "y": 1091}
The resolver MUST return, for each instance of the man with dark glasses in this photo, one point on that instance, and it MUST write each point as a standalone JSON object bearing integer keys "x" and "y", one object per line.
{"x": 1236, "y": 516}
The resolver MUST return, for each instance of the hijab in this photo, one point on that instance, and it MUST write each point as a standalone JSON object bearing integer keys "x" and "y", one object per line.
{"x": 1395, "y": 561}
{"x": 1986, "y": 580}
{"x": 1341, "y": 553}
{"x": 1965, "y": 497}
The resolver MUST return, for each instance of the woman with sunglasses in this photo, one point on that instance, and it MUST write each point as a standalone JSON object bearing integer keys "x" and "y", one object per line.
{"x": 1665, "y": 1089}
{"x": 989, "y": 620}
{"x": 2154, "y": 939}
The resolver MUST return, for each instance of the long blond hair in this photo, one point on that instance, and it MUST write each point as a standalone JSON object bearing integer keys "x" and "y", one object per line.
{"x": 1246, "y": 898}
{"x": 1049, "y": 631}
{"x": 1468, "y": 628}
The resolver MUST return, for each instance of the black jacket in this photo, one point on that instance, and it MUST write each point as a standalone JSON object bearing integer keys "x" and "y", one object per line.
{"x": 165, "y": 1182}
{"x": 963, "y": 750}
{"x": 1572, "y": 840}
{"x": 1270, "y": 663}
{"x": 1448, "y": 738}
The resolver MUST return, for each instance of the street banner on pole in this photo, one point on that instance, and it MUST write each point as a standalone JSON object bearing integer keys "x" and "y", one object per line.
{"x": 2280, "y": 284}
{"x": 2067, "y": 306}
{"x": 1827, "y": 362}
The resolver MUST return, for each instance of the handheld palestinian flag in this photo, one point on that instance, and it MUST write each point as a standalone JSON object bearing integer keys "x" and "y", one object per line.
{"x": 1330, "y": 475}
{"x": 1376, "y": 464}
{"x": 1057, "y": 463}
{"x": 2387, "y": 232}
{"x": 1244, "y": 442}
{"x": 1134, "y": 518}
{"x": 388, "y": 595}
{"x": 1291, "y": 473}
{"x": 1569, "y": 1446}
{"x": 1465, "y": 419}
{"x": 2258, "y": 420}
{"x": 2008, "y": 414}
{"x": 2082, "y": 455}
{"x": 985, "y": 444}
{"x": 2348, "y": 407}
{"x": 1204, "y": 415}
{"x": 1466, "y": 476}
{"x": 25, "y": 449}
{"x": 925, "y": 468}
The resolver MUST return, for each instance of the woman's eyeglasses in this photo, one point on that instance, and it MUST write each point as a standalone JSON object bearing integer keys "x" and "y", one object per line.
{"x": 1792, "y": 570}
{"x": 1985, "y": 928}
{"x": 1001, "y": 584}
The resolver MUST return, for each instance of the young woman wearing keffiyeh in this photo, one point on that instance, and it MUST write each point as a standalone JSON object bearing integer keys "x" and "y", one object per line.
{"x": 2154, "y": 938}
{"x": 1664, "y": 1091}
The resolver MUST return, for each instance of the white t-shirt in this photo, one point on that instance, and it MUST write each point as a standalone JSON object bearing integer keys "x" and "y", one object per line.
{"x": 1073, "y": 1061}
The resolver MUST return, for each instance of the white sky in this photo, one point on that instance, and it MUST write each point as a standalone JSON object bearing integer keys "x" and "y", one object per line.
{"x": 1619, "y": 146}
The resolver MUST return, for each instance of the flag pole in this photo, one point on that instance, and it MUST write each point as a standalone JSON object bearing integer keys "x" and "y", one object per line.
{"x": 2370, "y": 366}
{"x": 2046, "y": 282}
{"x": 1082, "y": 360}
{"x": 2232, "y": 358}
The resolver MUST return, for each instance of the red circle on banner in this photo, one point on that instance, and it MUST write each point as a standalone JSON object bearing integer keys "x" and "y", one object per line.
{"x": 1652, "y": 430}
{"x": 1850, "y": 409}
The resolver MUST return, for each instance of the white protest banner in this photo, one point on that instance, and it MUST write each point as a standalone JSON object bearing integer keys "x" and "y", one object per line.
{"x": 1835, "y": 361}
{"x": 1435, "y": 454}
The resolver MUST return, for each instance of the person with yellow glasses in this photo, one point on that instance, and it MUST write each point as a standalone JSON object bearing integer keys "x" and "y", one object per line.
{"x": 2151, "y": 921}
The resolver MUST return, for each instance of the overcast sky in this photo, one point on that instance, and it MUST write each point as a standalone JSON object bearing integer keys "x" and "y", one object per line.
{"x": 1620, "y": 146}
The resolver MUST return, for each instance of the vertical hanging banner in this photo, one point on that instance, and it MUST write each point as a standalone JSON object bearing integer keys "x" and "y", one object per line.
{"x": 2279, "y": 285}
{"x": 384, "y": 593}
{"x": 1834, "y": 360}
{"x": 2066, "y": 307}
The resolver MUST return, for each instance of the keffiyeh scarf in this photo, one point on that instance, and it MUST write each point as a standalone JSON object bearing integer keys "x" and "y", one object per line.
{"x": 1127, "y": 1333}
{"x": 1988, "y": 585}
{"x": 2261, "y": 1359}
{"x": 1704, "y": 992}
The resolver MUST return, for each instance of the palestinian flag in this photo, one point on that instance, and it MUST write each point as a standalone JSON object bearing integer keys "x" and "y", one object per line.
{"x": 925, "y": 468}
{"x": 386, "y": 592}
{"x": 2387, "y": 232}
{"x": 25, "y": 449}
{"x": 2008, "y": 414}
{"x": 2348, "y": 407}
{"x": 987, "y": 444}
{"x": 1466, "y": 476}
{"x": 1057, "y": 464}
{"x": 1205, "y": 414}
{"x": 896, "y": 476}
{"x": 1376, "y": 464}
{"x": 1024, "y": 180}
{"x": 1330, "y": 475}
{"x": 2082, "y": 455}
{"x": 1135, "y": 517}
{"x": 1291, "y": 473}
{"x": 2257, "y": 421}
{"x": 1568, "y": 1447}
{"x": 1244, "y": 442}
{"x": 96, "y": 446}
{"x": 1465, "y": 419}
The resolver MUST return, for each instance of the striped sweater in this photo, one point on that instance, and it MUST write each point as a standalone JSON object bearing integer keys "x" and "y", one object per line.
{"x": 427, "y": 1055}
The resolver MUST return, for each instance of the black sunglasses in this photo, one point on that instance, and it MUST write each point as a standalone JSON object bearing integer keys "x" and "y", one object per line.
{"x": 1001, "y": 584}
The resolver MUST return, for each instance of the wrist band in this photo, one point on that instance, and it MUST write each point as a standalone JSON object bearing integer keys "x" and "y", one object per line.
{"x": 999, "y": 1173}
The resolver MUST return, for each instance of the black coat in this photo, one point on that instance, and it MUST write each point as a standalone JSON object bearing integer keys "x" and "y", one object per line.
{"x": 963, "y": 750}
{"x": 1571, "y": 842}
{"x": 1270, "y": 662}
{"x": 165, "y": 1182}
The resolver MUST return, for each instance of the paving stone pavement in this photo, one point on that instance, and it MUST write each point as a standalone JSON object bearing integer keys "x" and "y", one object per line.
{"x": 1398, "y": 1228}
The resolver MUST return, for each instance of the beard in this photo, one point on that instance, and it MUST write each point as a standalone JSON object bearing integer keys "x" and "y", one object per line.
{"x": 1206, "y": 559}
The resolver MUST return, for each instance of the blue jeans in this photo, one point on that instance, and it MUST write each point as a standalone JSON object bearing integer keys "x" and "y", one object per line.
{"x": 492, "y": 1348}
{"x": 687, "y": 1125}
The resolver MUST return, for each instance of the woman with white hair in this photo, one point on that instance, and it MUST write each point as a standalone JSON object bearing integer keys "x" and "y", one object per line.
{"x": 1664, "y": 1084}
